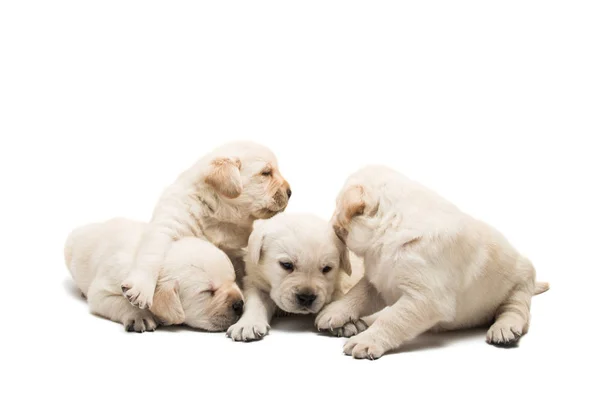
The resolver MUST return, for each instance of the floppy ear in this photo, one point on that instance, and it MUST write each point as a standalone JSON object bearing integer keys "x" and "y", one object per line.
{"x": 224, "y": 176}
{"x": 345, "y": 261}
{"x": 352, "y": 203}
{"x": 166, "y": 304}
{"x": 255, "y": 242}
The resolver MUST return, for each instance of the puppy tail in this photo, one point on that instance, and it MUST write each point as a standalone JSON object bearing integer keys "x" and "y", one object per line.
{"x": 541, "y": 287}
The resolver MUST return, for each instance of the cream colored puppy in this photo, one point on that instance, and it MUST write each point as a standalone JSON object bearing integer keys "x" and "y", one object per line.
{"x": 217, "y": 199}
{"x": 433, "y": 265}
{"x": 196, "y": 285}
{"x": 295, "y": 263}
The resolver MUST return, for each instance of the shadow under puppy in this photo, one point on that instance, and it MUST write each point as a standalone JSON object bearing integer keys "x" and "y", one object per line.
{"x": 196, "y": 285}
{"x": 434, "y": 267}
{"x": 294, "y": 263}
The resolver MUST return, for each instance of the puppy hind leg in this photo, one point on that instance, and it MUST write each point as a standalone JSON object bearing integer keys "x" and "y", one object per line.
{"x": 115, "y": 307}
{"x": 512, "y": 318}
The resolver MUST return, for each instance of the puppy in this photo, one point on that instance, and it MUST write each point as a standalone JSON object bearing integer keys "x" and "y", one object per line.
{"x": 217, "y": 199}
{"x": 434, "y": 266}
{"x": 196, "y": 285}
{"x": 294, "y": 263}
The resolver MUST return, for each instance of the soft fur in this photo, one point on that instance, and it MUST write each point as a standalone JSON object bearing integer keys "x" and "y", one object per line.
{"x": 196, "y": 285}
{"x": 433, "y": 265}
{"x": 217, "y": 199}
{"x": 310, "y": 245}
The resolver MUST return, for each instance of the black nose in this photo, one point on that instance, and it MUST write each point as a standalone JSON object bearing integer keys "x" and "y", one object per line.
{"x": 289, "y": 193}
{"x": 305, "y": 300}
{"x": 238, "y": 307}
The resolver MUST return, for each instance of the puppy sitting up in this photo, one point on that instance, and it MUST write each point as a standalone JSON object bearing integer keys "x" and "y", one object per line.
{"x": 196, "y": 285}
{"x": 294, "y": 263}
{"x": 433, "y": 266}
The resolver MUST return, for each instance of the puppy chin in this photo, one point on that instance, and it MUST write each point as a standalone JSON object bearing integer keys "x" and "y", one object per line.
{"x": 267, "y": 212}
{"x": 264, "y": 213}
{"x": 289, "y": 305}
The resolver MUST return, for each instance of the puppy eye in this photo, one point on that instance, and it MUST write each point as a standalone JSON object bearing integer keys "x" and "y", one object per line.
{"x": 286, "y": 265}
{"x": 209, "y": 292}
{"x": 326, "y": 269}
{"x": 267, "y": 173}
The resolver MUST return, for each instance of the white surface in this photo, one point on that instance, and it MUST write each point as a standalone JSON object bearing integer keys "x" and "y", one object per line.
{"x": 493, "y": 105}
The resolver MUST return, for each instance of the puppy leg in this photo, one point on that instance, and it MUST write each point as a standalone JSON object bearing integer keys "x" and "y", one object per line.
{"x": 512, "y": 318}
{"x": 254, "y": 324}
{"x": 361, "y": 300}
{"x": 356, "y": 327}
{"x": 116, "y": 308}
{"x": 407, "y": 318}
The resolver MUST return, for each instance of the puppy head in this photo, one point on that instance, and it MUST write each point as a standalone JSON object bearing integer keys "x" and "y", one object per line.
{"x": 247, "y": 175}
{"x": 300, "y": 258}
{"x": 197, "y": 287}
{"x": 358, "y": 208}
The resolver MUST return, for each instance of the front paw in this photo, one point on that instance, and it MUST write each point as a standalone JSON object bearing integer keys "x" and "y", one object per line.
{"x": 351, "y": 328}
{"x": 334, "y": 317}
{"x": 140, "y": 322}
{"x": 364, "y": 345}
{"x": 138, "y": 290}
{"x": 245, "y": 330}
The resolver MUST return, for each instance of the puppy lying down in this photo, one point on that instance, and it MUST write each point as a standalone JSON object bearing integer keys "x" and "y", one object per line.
{"x": 294, "y": 263}
{"x": 433, "y": 266}
{"x": 196, "y": 285}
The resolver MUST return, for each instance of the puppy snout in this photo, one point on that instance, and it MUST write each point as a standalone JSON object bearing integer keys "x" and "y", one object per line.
{"x": 289, "y": 193}
{"x": 238, "y": 307}
{"x": 306, "y": 299}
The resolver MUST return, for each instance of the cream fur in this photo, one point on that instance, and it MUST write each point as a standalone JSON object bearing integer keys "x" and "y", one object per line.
{"x": 434, "y": 266}
{"x": 217, "y": 199}
{"x": 196, "y": 285}
{"x": 307, "y": 242}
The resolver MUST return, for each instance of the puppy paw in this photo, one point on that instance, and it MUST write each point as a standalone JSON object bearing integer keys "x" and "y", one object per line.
{"x": 138, "y": 290}
{"x": 333, "y": 317}
{"x": 140, "y": 322}
{"x": 248, "y": 330}
{"x": 364, "y": 346}
{"x": 351, "y": 328}
{"x": 504, "y": 334}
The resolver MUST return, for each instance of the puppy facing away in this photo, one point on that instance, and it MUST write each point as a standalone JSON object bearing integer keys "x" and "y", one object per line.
{"x": 217, "y": 199}
{"x": 294, "y": 262}
{"x": 196, "y": 284}
{"x": 433, "y": 266}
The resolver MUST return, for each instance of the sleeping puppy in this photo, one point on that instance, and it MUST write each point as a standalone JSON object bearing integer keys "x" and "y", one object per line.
{"x": 295, "y": 263}
{"x": 435, "y": 268}
{"x": 196, "y": 285}
{"x": 217, "y": 199}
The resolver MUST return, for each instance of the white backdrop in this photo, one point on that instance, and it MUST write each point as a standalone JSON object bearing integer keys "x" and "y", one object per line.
{"x": 102, "y": 104}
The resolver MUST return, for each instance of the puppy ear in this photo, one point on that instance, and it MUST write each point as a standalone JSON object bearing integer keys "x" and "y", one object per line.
{"x": 166, "y": 304}
{"x": 255, "y": 242}
{"x": 345, "y": 261}
{"x": 224, "y": 176}
{"x": 352, "y": 202}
